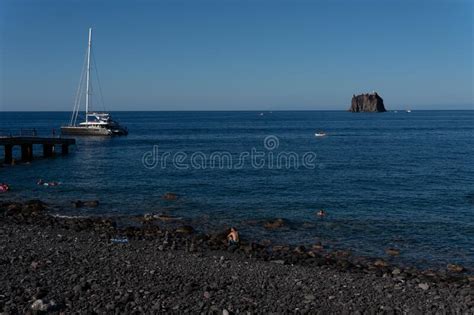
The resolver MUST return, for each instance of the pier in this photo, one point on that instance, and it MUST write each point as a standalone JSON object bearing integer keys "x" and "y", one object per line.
{"x": 26, "y": 140}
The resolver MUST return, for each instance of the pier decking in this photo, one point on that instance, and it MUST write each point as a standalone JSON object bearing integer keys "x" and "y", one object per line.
{"x": 26, "y": 143}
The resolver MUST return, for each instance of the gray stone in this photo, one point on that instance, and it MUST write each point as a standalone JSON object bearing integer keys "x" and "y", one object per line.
{"x": 424, "y": 286}
{"x": 278, "y": 261}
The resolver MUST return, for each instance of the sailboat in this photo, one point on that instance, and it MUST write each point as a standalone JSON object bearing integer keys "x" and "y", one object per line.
{"x": 96, "y": 123}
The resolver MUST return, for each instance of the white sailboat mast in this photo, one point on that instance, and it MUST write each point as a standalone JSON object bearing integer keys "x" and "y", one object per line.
{"x": 88, "y": 71}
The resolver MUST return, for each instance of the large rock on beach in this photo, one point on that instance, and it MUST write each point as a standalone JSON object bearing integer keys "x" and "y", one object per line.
{"x": 218, "y": 239}
{"x": 367, "y": 103}
{"x": 29, "y": 208}
{"x": 10, "y": 208}
{"x": 34, "y": 206}
{"x": 281, "y": 248}
{"x": 185, "y": 229}
{"x": 380, "y": 263}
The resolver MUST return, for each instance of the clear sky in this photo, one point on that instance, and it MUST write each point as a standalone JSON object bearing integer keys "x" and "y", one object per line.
{"x": 238, "y": 55}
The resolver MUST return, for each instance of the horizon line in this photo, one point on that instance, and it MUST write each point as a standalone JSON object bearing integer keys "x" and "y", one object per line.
{"x": 238, "y": 110}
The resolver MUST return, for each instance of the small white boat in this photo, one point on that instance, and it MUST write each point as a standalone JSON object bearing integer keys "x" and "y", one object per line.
{"x": 408, "y": 111}
{"x": 320, "y": 134}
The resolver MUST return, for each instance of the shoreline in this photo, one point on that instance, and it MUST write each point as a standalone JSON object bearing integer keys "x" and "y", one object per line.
{"x": 29, "y": 229}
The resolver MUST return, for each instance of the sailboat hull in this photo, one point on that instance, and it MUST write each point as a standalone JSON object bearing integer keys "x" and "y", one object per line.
{"x": 86, "y": 131}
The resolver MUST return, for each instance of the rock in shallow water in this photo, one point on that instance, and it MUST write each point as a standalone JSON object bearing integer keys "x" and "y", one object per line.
{"x": 169, "y": 196}
{"x": 318, "y": 246}
{"x": 455, "y": 268}
{"x": 275, "y": 224}
{"x": 167, "y": 218}
{"x": 85, "y": 203}
{"x": 392, "y": 251}
{"x": 299, "y": 249}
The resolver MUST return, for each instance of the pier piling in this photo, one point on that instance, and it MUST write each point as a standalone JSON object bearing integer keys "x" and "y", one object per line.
{"x": 64, "y": 149}
{"x": 8, "y": 154}
{"x": 48, "y": 150}
{"x": 27, "y": 152}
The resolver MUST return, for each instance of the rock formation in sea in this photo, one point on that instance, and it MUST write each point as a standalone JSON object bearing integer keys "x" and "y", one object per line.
{"x": 367, "y": 103}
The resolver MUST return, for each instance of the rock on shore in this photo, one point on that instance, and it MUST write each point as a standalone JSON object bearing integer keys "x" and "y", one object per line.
{"x": 367, "y": 103}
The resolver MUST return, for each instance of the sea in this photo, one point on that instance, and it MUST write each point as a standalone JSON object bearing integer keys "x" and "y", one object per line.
{"x": 400, "y": 179}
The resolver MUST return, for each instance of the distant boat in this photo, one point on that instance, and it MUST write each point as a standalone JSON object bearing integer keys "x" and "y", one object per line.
{"x": 320, "y": 134}
{"x": 408, "y": 111}
{"x": 261, "y": 114}
{"x": 96, "y": 123}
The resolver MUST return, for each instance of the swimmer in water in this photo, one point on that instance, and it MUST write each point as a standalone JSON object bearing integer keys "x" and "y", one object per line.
{"x": 43, "y": 183}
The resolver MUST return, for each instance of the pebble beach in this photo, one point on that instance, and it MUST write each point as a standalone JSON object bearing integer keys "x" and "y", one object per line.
{"x": 73, "y": 265}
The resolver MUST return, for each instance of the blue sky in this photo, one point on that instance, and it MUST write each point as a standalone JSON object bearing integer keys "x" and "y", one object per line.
{"x": 238, "y": 55}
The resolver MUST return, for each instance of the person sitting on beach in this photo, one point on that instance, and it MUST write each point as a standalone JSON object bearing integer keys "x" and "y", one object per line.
{"x": 233, "y": 236}
{"x": 321, "y": 213}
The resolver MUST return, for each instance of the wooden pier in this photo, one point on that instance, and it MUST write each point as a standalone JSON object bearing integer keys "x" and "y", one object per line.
{"x": 26, "y": 143}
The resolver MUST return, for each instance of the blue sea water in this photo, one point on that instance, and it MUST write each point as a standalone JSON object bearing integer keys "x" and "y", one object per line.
{"x": 403, "y": 180}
